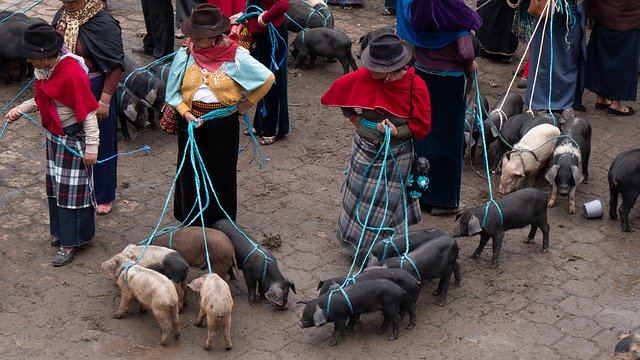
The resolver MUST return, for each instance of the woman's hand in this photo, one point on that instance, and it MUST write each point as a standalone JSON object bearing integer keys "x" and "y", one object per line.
{"x": 381, "y": 127}
{"x": 260, "y": 21}
{"x": 234, "y": 17}
{"x": 244, "y": 106}
{"x": 103, "y": 111}
{"x": 191, "y": 118}
{"x": 90, "y": 159}
{"x": 13, "y": 115}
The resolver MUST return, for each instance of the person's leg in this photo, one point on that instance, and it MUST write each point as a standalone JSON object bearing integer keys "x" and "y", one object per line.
{"x": 147, "y": 41}
{"x": 104, "y": 174}
{"x": 161, "y": 27}
{"x": 183, "y": 11}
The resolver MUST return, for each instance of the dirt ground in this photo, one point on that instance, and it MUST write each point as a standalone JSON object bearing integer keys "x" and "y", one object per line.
{"x": 566, "y": 304}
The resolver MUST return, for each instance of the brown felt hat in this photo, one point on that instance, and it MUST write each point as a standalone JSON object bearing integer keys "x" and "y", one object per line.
{"x": 386, "y": 53}
{"x": 40, "y": 40}
{"x": 205, "y": 21}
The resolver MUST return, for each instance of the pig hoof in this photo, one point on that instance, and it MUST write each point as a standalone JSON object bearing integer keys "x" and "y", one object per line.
{"x": 436, "y": 293}
{"x": 228, "y": 347}
{"x": 394, "y": 337}
{"x": 176, "y": 335}
{"x": 197, "y": 323}
{"x": 411, "y": 326}
{"x": 163, "y": 342}
{"x": 380, "y": 331}
{"x": 572, "y": 210}
{"x": 207, "y": 347}
{"x": 494, "y": 265}
{"x": 440, "y": 303}
{"x": 627, "y": 229}
{"x": 527, "y": 240}
{"x": 118, "y": 315}
{"x": 457, "y": 283}
{"x": 333, "y": 342}
{"x": 474, "y": 255}
{"x": 544, "y": 250}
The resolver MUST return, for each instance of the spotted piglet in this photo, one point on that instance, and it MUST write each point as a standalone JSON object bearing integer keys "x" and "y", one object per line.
{"x": 152, "y": 290}
{"x": 216, "y": 304}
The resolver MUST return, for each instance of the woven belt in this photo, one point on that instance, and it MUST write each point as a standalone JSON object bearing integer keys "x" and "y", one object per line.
{"x": 368, "y": 123}
{"x": 200, "y": 108}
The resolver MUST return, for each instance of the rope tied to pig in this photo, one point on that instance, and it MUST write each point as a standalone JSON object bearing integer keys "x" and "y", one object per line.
{"x": 484, "y": 150}
{"x": 346, "y": 297}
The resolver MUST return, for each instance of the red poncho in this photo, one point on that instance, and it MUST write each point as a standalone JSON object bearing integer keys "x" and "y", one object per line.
{"x": 360, "y": 90}
{"x": 69, "y": 85}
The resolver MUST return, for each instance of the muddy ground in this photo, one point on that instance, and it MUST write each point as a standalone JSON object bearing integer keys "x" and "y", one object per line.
{"x": 565, "y": 304}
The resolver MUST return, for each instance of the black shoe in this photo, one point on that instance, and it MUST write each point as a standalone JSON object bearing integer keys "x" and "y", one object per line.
{"x": 141, "y": 49}
{"x": 388, "y": 12}
{"x": 55, "y": 241}
{"x": 63, "y": 257}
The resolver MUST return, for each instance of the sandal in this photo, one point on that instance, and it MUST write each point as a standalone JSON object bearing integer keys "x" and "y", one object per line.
{"x": 247, "y": 133}
{"x": 63, "y": 257}
{"x": 616, "y": 112}
{"x": 268, "y": 140}
{"x": 104, "y": 209}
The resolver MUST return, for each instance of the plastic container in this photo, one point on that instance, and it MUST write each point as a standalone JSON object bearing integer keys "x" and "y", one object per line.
{"x": 592, "y": 209}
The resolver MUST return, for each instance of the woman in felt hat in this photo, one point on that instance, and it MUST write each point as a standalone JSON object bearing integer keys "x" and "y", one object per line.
{"x": 68, "y": 113}
{"x": 390, "y": 96}
{"x": 211, "y": 72}
{"x": 91, "y": 32}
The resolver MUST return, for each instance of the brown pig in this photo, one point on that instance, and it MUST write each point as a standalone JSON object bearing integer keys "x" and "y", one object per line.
{"x": 529, "y": 155}
{"x": 152, "y": 290}
{"x": 189, "y": 242}
{"x": 216, "y": 304}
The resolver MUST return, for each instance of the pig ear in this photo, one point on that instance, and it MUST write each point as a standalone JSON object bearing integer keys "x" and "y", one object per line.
{"x": 519, "y": 174}
{"x": 473, "y": 226}
{"x": 131, "y": 113}
{"x": 494, "y": 131}
{"x": 458, "y": 216}
{"x": 320, "y": 283}
{"x": 318, "y": 317}
{"x": 551, "y": 174}
{"x": 151, "y": 96}
{"x": 577, "y": 174}
{"x": 196, "y": 284}
{"x": 275, "y": 294}
{"x": 292, "y": 286}
{"x": 373, "y": 261}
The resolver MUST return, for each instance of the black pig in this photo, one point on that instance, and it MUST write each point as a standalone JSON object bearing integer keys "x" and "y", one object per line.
{"x": 518, "y": 209}
{"x": 12, "y": 27}
{"x": 570, "y": 162}
{"x": 364, "y": 297}
{"x": 406, "y": 281}
{"x": 324, "y": 42}
{"x": 624, "y": 179}
{"x": 385, "y": 249}
{"x": 130, "y": 109}
{"x": 148, "y": 87}
{"x": 470, "y": 129}
{"x": 513, "y": 105}
{"x": 308, "y": 14}
{"x": 437, "y": 258}
{"x": 628, "y": 348}
{"x": 270, "y": 284}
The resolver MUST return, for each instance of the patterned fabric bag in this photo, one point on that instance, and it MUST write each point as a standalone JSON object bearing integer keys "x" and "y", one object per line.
{"x": 241, "y": 35}
{"x": 169, "y": 120}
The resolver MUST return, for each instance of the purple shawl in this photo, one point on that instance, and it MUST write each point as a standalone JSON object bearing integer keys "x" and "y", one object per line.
{"x": 430, "y": 15}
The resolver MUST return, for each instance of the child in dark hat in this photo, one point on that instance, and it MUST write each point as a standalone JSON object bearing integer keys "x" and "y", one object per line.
{"x": 67, "y": 111}
{"x": 391, "y": 99}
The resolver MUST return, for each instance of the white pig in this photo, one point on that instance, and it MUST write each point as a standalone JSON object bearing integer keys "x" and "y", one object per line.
{"x": 521, "y": 165}
{"x": 152, "y": 290}
{"x": 216, "y": 304}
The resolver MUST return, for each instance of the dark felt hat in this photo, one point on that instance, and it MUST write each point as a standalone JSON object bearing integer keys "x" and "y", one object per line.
{"x": 206, "y": 20}
{"x": 40, "y": 40}
{"x": 386, "y": 53}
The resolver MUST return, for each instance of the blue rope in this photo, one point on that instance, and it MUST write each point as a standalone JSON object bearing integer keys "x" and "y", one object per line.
{"x": 274, "y": 36}
{"x": 10, "y": 6}
{"x": 22, "y": 10}
{"x": 145, "y": 148}
{"x": 341, "y": 289}
{"x": 484, "y": 151}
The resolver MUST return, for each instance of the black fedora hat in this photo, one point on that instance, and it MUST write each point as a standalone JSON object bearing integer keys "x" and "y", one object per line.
{"x": 40, "y": 40}
{"x": 386, "y": 53}
{"x": 206, "y": 20}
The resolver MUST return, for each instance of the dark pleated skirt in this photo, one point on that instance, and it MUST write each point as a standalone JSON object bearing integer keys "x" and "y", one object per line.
{"x": 612, "y": 65}
{"x": 218, "y": 141}
{"x": 272, "y": 112}
{"x": 445, "y": 143}
{"x": 74, "y": 227}
{"x": 495, "y": 34}
{"x": 104, "y": 174}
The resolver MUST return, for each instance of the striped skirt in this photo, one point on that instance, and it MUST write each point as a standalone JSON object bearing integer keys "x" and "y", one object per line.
{"x": 385, "y": 208}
